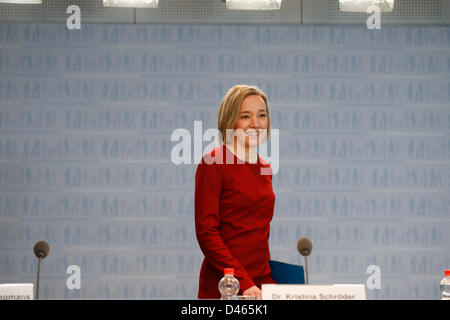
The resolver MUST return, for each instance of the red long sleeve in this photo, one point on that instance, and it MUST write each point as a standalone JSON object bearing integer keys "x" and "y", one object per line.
{"x": 233, "y": 208}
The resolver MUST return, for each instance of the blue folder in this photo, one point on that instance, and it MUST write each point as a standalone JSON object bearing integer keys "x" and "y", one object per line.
{"x": 285, "y": 273}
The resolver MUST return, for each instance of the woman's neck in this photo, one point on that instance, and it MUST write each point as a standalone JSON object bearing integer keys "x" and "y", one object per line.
{"x": 245, "y": 154}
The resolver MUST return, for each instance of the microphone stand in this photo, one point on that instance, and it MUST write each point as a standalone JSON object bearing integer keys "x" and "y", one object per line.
{"x": 306, "y": 269}
{"x": 37, "y": 282}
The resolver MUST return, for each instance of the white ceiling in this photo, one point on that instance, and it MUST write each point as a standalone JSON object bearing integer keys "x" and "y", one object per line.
{"x": 406, "y": 12}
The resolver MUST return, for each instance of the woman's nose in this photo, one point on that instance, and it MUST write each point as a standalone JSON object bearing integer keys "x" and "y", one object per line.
{"x": 254, "y": 122}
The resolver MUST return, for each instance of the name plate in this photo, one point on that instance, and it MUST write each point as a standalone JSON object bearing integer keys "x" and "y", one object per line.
{"x": 16, "y": 291}
{"x": 313, "y": 292}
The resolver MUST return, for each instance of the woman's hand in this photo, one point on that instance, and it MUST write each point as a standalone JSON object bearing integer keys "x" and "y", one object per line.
{"x": 253, "y": 291}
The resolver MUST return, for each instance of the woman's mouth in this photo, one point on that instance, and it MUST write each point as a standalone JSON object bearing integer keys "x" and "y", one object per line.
{"x": 252, "y": 134}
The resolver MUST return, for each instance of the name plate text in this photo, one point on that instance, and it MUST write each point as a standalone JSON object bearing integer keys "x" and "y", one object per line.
{"x": 313, "y": 292}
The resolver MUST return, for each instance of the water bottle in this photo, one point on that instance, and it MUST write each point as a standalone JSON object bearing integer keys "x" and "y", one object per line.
{"x": 445, "y": 286}
{"x": 228, "y": 285}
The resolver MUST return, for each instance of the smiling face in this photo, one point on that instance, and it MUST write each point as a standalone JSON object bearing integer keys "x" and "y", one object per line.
{"x": 251, "y": 126}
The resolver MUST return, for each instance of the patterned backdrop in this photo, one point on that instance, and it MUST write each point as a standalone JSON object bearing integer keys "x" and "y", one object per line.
{"x": 86, "y": 119}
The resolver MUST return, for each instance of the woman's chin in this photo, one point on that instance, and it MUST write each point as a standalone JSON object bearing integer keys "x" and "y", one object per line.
{"x": 252, "y": 143}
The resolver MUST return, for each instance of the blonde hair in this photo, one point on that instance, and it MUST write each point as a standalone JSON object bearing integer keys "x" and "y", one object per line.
{"x": 230, "y": 108}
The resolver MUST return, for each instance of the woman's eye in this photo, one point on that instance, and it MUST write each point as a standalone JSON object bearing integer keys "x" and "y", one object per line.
{"x": 262, "y": 115}
{"x": 244, "y": 117}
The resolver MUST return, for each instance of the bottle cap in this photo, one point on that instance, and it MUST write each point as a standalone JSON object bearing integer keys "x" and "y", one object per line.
{"x": 230, "y": 271}
{"x": 447, "y": 272}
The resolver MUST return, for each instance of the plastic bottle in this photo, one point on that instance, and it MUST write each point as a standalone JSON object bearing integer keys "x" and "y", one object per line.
{"x": 228, "y": 285}
{"x": 445, "y": 286}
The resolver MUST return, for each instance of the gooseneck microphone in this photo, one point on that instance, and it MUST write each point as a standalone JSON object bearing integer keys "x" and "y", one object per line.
{"x": 304, "y": 247}
{"x": 41, "y": 250}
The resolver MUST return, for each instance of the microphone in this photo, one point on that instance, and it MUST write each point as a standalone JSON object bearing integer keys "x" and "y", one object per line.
{"x": 41, "y": 250}
{"x": 304, "y": 247}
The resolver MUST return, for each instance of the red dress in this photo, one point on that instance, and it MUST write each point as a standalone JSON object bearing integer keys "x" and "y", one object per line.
{"x": 234, "y": 205}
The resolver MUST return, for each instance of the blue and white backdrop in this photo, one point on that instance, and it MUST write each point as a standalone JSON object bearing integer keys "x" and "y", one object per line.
{"x": 85, "y": 124}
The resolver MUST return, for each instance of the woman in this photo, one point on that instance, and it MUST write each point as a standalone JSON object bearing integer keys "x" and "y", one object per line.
{"x": 234, "y": 200}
